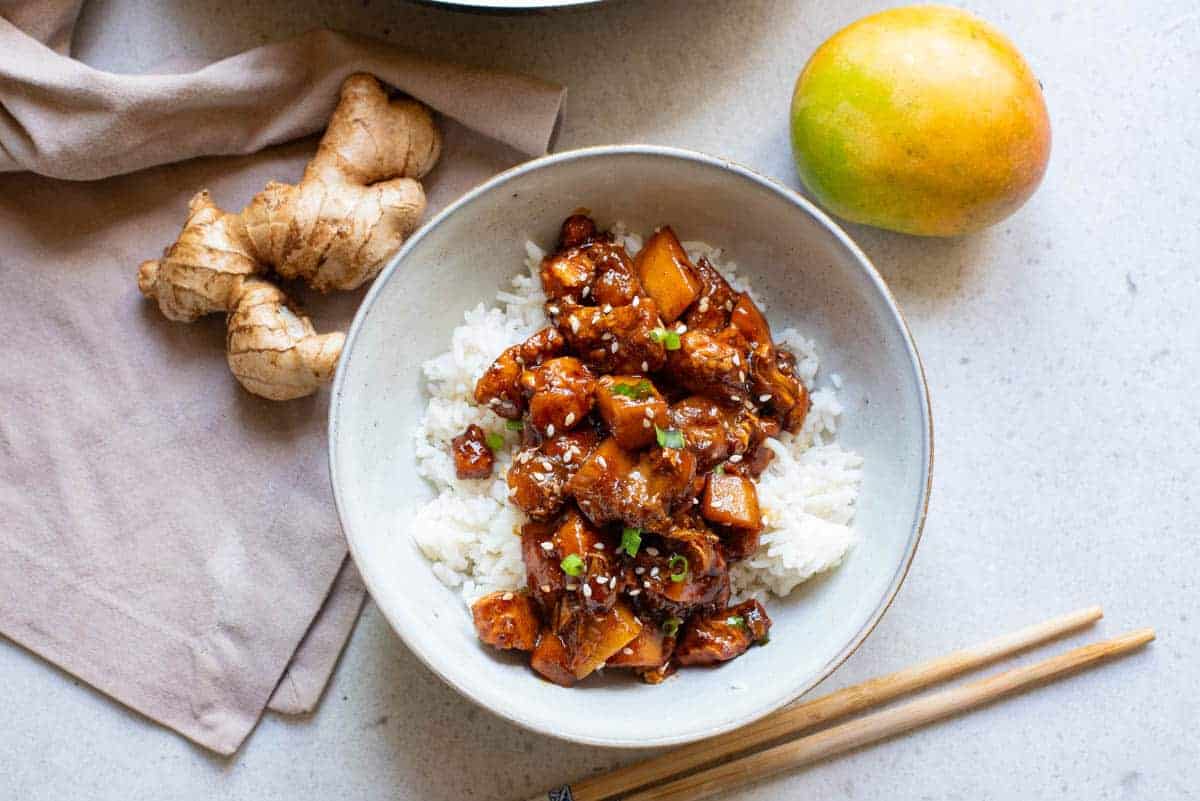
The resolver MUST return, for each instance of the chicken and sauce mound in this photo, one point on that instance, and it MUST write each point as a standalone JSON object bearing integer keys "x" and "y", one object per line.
{"x": 643, "y": 411}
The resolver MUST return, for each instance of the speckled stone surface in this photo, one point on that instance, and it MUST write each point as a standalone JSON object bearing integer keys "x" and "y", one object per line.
{"x": 1061, "y": 350}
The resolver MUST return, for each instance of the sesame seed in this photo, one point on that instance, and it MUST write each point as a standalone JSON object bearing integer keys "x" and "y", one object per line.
{"x": 587, "y": 590}
{"x": 612, "y": 583}
{"x": 735, "y": 398}
{"x": 569, "y": 298}
{"x": 570, "y": 418}
{"x": 650, "y": 412}
{"x": 595, "y": 318}
{"x": 627, "y": 651}
{"x": 646, "y": 584}
{"x": 635, "y": 593}
{"x": 681, "y": 328}
{"x": 601, "y": 579}
{"x": 545, "y": 588}
{"x": 568, "y": 456}
{"x": 547, "y": 546}
{"x": 764, "y": 398}
{"x": 550, "y": 430}
{"x": 645, "y": 366}
{"x": 695, "y": 501}
{"x": 607, "y": 308}
{"x": 737, "y": 360}
{"x": 606, "y": 336}
{"x": 741, "y": 375}
{"x": 729, "y": 305}
{"x": 587, "y": 290}
{"x": 599, "y": 546}
{"x": 637, "y": 571}
{"x": 654, "y": 572}
{"x": 574, "y": 325}
{"x": 552, "y": 309}
{"x": 704, "y": 304}
{"x": 600, "y": 460}
{"x": 508, "y": 596}
{"x": 546, "y": 465}
{"x": 652, "y": 551}
{"x": 616, "y": 346}
{"x": 636, "y": 301}
{"x": 646, "y": 424}
{"x": 737, "y": 457}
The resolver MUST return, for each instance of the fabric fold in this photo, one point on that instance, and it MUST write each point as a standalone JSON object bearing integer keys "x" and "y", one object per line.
{"x": 170, "y": 539}
{"x": 67, "y": 120}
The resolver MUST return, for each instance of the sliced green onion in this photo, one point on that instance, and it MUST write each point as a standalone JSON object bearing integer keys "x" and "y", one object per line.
{"x": 764, "y": 641}
{"x": 670, "y": 626}
{"x": 638, "y": 391}
{"x": 494, "y": 440}
{"x": 668, "y": 437}
{"x": 719, "y": 470}
{"x": 514, "y": 425}
{"x": 678, "y": 565}
{"x": 631, "y": 540}
{"x": 669, "y": 338}
{"x": 572, "y": 565}
{"x": 736, "y": 620}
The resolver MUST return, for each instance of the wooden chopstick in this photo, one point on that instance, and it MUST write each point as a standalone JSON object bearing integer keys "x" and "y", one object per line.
{"x": 847, "y": 701}
{"x": 887, "y": 723}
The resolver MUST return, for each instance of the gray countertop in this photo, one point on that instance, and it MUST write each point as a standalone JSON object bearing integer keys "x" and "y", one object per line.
{"x": 1061, "y": 351}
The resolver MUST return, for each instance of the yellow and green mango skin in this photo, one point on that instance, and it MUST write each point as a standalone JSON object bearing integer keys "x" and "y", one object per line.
{"x": 921, "y": 119}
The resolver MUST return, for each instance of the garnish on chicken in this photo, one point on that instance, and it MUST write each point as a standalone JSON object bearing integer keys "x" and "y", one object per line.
{"x": 644, "y": 409}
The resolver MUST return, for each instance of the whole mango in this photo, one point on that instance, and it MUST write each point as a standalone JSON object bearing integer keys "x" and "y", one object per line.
{"x": 920, "y": 119}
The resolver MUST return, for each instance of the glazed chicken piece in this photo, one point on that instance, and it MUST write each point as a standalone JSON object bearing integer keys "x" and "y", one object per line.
{"x": 588, "y": 268}
{"x": 773, "y": 382}
{"x": 711, "y": 364}
{"x": 584, "y": 643}
{"x": 714, "y": 432}
{"x": 506, "y": 620}
{"x": 576, "y": 230}
{"x": 666, "y": 274}
{"x": 731, "y": 501}
{"x": 615, "y": 339}
{"x": 616, "y": 486}
{"x": 472, "y": 456}
{"x": 600, "y": 578}
{"x": 711, "y": 310}
{"x": 774, "y": 385}
{"x": 631, "y": 407}
{"x": 723, "y": 635}
{"x": 543, "y": 566}
{"x": 539, "y": 474}
{"x": 561, "y": 394}
{"x": 617, "y": 283}
{"x": 682, "y": 574}
{"x": 566, "y": 274}
{"x": 499, "y": 387}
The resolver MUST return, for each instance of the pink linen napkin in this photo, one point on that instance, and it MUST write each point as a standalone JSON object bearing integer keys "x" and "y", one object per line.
{"x": 169, "y": 538}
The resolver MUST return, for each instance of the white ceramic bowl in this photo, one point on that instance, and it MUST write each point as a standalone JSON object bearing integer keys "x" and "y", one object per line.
{"x": 812, "y": 276}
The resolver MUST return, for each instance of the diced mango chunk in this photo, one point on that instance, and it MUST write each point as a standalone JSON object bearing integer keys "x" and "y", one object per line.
{"x": 667, "y": 275}
{"x": 650, "y": 649}
{"x": 749, "y": 322}
{"x": 732, "y": 501}
{"x": 602, "y": 636}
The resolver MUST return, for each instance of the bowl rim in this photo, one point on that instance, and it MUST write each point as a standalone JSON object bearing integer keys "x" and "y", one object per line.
{"x": 803, "y": 205}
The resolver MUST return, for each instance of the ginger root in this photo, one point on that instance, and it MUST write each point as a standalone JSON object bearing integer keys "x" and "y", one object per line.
{"x": 357, "y": 202}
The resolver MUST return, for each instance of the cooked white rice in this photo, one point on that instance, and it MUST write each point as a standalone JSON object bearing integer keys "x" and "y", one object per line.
{"x": 470, "y": 532}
